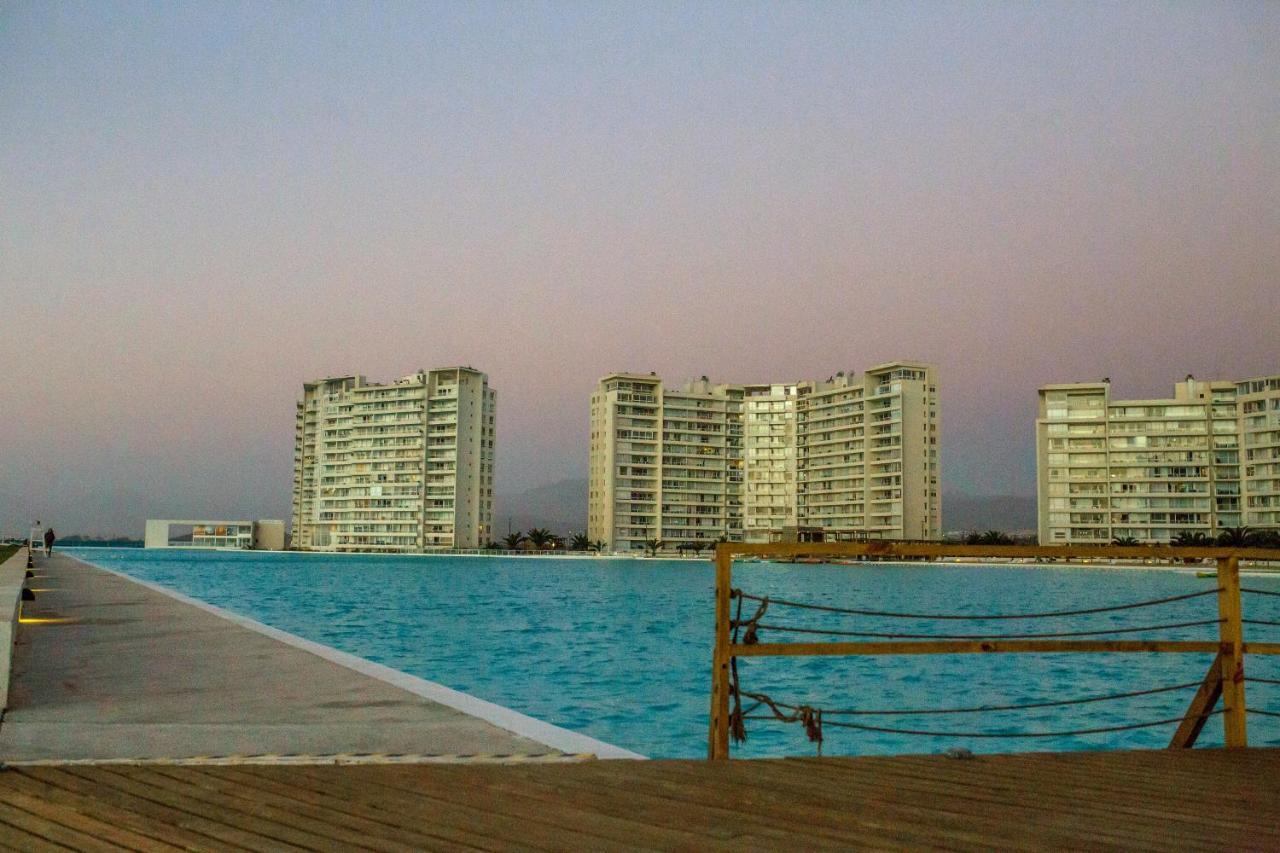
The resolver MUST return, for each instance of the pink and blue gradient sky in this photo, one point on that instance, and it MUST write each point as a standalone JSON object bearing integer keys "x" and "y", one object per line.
{"x": 203, "y": 205}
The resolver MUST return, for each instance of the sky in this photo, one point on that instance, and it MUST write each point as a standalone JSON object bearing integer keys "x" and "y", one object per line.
{"x": 204, "y": 205}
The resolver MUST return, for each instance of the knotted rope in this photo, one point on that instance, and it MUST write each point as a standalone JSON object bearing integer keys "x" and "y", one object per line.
{"x": 749, "y": 637}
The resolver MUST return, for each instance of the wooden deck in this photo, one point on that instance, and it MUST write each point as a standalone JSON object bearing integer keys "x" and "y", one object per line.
{"x": 1192, "y": 799}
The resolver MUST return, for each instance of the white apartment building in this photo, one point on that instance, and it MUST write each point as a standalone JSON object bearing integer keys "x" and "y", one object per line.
{"x": 402, "y": 467}
{"x": 1206, "y": 459}
{"x": 1259, "y": 404}
{"x": 852, "y": 457}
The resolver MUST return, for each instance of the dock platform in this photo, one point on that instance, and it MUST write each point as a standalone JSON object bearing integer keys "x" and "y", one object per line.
{"x": 1158, "y": 800}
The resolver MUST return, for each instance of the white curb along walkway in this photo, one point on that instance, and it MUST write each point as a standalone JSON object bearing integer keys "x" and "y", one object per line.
{"x": 111, "y": 622}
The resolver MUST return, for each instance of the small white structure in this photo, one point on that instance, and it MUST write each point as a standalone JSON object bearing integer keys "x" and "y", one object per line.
{"x": 268, "y": 535}
{"x": 264, "y": 535}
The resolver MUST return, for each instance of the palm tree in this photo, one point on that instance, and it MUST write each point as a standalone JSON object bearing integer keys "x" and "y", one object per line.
{"x": 990, "y": 537}
{"x": 513, "y": 540}
{"x": 1265, "y": 539}
{"x": 579, "y": 542}
{"x": 1188, "y": 539}
{"x": 1125, "y": 541}
{"x": 492, "y": 546}
{"x": 1236, "y": 537}
{"x": 598, "y": 545}
{"x": 540, "y": 537}
{"x": 653, "y": 545}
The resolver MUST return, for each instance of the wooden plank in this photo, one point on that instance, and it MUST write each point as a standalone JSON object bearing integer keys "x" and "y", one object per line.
{"x": 715, "y": 822}
{"x": 446, "y": 826}
{"x": 279, "y": 824}
{"x": 581, "y": 805}
{"x": 1119, "y": 799}
{"x": 699, "y": 805}
{"x": 73, "y": 819}
{"x": 881, "y": 785}
{"x": 1142, "y": 774}
{"x": 896, "y": 548}
{"x": 1201, "y": 704}
{"x": 52, "y": 832}
{"x": 420, "y": 787}
{"x": 1231, "y": 632}
{"x": 718, "y": 739}
{"x": 105, "y": 783}
{"x": 934, "y": 647}
{"x": 14, "y": 838}
{"x": 210, "y": 834}
{"x": 1156, "y": 799}
{"x": 15, "y": 779}
{"x": 1003, "y": 815}
{"x": 1149, "y": 787}
{"x": 804, "y": 807}
{"x": 430, "y": 802}
{"x": 1125, "y": 807}
{"x": 282, "y": 789}
{"x": 322, "y": 823}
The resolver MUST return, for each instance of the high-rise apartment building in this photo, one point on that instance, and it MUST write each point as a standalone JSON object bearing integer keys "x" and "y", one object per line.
{"x": 1206, "y": 459}
{"x": 402, "y": 467}
{"x": 855, "y": 456}
{"x": 1259, "y": 404}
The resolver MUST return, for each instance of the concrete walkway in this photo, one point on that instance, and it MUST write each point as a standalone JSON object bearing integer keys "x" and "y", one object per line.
{"x": 107, "y": 668}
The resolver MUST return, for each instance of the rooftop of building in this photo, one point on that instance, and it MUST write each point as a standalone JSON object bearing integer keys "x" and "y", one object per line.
{"x": 359, "y": 380}
{"x": 705, "y": 385}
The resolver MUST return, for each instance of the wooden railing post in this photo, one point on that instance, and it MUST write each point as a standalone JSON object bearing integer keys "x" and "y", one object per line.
{"x": 1201, "y": 705}
{"x": 718, "y": 737}
{"x": 1231, "y": 634}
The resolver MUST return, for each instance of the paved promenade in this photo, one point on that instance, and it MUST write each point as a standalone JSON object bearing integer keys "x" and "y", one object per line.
{"x": 108, "y": 668}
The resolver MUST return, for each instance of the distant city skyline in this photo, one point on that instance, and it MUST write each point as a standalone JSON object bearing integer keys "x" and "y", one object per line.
{"x": 206, "y": 206}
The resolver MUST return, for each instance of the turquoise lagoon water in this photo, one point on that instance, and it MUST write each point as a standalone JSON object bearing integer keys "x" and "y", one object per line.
{"x": 621, "y": 649}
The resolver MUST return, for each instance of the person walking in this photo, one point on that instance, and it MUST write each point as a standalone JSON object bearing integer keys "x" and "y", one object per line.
{"x": 48, "y": 541}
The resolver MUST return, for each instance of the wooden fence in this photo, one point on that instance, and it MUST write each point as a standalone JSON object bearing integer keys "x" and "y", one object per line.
{"x": 1225, "y": 678}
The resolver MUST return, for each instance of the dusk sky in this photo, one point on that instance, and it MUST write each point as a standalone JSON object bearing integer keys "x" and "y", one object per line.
{"x": 203, "y": 205}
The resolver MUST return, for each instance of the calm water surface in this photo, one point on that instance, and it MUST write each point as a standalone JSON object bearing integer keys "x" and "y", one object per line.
{"x": 621, "y": 649}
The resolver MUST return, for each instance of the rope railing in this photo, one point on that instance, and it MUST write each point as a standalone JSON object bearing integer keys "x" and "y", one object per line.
{"x": 814, "y": 719}
{"x": 889, "y": 614}
{"x": 1032, "y": 636}
{"x": 762, "y": 699}
{"x": 740, "y": 636}
{"x": 1062, "y": 733}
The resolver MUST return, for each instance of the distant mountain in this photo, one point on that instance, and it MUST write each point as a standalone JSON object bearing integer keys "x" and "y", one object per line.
{"x": 1010, "y": 513}
{"x": 560, "y": 507}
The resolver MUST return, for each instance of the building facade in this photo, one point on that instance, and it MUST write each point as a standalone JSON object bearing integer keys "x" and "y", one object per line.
{"x": 403, "y": 467}
{"x": 1259, "y": 404}
{"x": 261, "y": 535}
{"x": 855, "y": 456}
{"x": 1205, "y": 459}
